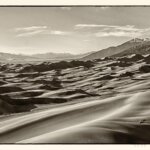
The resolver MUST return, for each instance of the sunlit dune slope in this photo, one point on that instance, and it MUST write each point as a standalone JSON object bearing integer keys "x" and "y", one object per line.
{"x": 106, "y": 102}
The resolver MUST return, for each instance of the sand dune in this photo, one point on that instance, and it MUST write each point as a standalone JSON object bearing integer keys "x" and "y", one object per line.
{"x": 108, "y": 102}
{"x": 93, "y": 131}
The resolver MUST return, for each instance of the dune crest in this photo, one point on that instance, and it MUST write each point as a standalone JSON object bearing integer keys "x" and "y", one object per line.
{"x": 100, "y": 101}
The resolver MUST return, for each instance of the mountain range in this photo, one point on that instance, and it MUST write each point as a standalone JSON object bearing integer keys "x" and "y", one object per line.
{"x": 134, "y": 46}
{"x": 40, "y": 57}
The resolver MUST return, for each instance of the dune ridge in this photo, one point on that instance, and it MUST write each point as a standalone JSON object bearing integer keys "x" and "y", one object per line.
{"x": 106, "y": 102}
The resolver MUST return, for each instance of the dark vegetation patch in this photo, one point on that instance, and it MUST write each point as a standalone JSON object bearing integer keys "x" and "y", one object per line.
{"x": 31, "y": 75}
{"x": 127, "y": 74}
{"x": 147, "y": 59}
{"x": 56, "y": 66}
{"x": 32, "y": 93}
{"x": 105, "y": 77}
{"x": 134, "y": 58}
{"x": 2, "y": 82}
{"x": 120, "y": 64}
{"x": 104, "y": 59}
{"x": 145, "y": 69}
{"x": 31, "y": 100}
{"x": 77, "y": 91}
{"x": 7, "y": 107}
{"x": 53, "y": 84}
{"x": 7, "y": 89}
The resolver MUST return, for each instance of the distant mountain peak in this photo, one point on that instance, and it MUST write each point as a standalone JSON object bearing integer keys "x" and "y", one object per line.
{"x": 136, "y": 45}
{"x": 146, "y": 39}
{"x": 137, "y": 40}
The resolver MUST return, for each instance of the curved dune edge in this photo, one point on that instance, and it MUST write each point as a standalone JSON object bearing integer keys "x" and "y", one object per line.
{"x": 96, "y": 131}
{"x": 106, "y": 103}
{"x": 99, "y": 121}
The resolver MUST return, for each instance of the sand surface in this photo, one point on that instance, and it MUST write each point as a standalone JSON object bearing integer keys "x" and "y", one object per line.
{"x": 99, "y": 104}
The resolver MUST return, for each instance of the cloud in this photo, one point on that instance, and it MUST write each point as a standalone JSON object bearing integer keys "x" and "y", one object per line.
{"x": 118, "y": 34}
{"x": 31, "y": 28}
{"x": 30, "y": 31}
{"x": 122, "y": 31}
{"x": 81, "y": 26}
{"x": 56, "y": 32}
{"x": 36, "y": 30}
{"x": 112, "y": 30}
{"x": 27, "y": 34}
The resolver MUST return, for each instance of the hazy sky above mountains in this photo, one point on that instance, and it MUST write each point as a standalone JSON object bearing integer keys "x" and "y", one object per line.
{"x": 75, "y": 30}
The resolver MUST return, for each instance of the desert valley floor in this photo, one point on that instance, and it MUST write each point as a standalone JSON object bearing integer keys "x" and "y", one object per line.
{"x": 106, "y": 102}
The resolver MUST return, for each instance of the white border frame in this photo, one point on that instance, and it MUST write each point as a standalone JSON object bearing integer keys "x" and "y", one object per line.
{"x": 74, "y": 3}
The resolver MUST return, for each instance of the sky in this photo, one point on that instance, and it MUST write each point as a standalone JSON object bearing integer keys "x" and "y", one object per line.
{"x": 31, "y": 30}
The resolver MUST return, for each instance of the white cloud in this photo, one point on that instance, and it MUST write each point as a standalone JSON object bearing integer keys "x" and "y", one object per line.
{"x": 56, "y": 32}
{"x": 118, "y": 34}
{"x": 31, "y": 28}
{"x": 112, "y": 30}
{"x": 124, "y": 31}
{"x": 81, "y": 26}
{"x": 36, "y": 30}
{"x": 30, "y": 31}
{"x": 27, "y": 34}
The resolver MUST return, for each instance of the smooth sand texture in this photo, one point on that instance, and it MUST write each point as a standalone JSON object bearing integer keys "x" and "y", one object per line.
{"x": 95, "y": 105}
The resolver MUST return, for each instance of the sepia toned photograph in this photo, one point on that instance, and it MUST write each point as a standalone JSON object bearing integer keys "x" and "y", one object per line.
{"x": 75, "y": 74}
